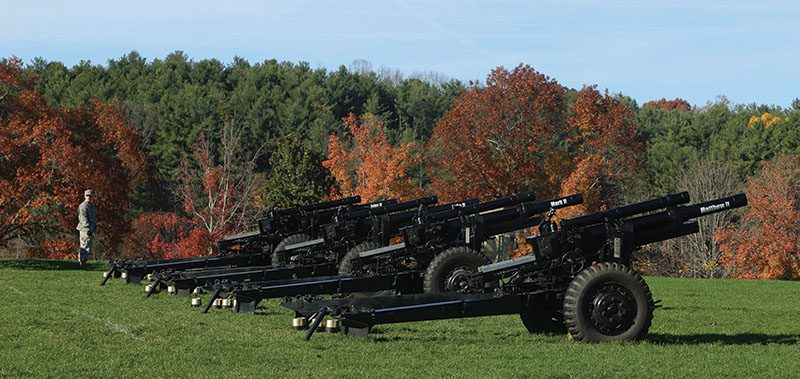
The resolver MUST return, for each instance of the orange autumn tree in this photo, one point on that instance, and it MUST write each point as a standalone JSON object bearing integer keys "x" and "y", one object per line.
{"x": 765, "y": 244}
{"x": 49, "y": 156}
{"x": 502, "y": 138}
{"x": 364, "y": 163}
{"x": 609, "y": 150}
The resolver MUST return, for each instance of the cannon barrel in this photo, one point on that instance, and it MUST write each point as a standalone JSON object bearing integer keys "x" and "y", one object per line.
{"x": 389, "y": 208}
{"x": 314, "y": 206}
{"x": 428, "y": 200}
{"x": 433, "y": 209}
{"x": 526, "y": 210}
{"x": 326, "y": 215}
{"x": 628, "y": 210}
{"x": 678, "y": 215}
{"x": 484, "y": 206}
{"x": 331, "y": 204}
{"x": 323, "y": 211}
{"x": 454, "y": 205}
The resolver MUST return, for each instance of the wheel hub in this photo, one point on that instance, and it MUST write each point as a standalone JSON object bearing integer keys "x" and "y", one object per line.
{"x": 457, "y": 281}
{"x": 612, "y": 309}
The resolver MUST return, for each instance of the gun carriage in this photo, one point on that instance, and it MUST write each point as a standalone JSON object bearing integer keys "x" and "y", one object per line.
{"x": 435, "y": 246}
{"x": 577, "y": 279}
{"x": 316, "y": 257}
{"x": 281, "y": 226}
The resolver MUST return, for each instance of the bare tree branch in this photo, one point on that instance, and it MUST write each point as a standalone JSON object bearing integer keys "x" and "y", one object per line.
{"x": 698, "y": 254}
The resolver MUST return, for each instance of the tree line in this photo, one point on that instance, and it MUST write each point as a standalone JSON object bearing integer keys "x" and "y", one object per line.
{"x": 189, "y": 133}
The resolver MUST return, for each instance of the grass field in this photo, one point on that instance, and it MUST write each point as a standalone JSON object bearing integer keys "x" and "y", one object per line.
{"x": 55, "y": 321}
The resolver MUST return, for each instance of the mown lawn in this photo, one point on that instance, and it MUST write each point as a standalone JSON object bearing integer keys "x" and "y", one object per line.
{"x": 56, "y": 321}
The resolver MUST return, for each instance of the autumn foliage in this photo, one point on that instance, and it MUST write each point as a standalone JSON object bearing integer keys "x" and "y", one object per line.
{"x": 765, "y": 244}
{"x": 364, "y": 163}
{"x": 217, "y": 191}
{"x": 49, "y": 156}
{"x": 502, "y": 138}
{"x": 513, "y": 135}
{"x": 675, "y": 104}
{"x": 154, "y": 235}
{"x": 765, "y": 120}
{"x": 609, "y": 150}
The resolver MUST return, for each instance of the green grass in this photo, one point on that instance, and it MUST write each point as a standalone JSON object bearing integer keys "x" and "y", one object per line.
{"x": 55, "y": 321}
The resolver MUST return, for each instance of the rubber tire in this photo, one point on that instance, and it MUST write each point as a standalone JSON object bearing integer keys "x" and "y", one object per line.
{"x": 543, "y": 321}
{"x": 346, "y": 266}
{"x": 576, "y": 302}
{"x": 290, "y": 240}
{"x": 443, "y": 264}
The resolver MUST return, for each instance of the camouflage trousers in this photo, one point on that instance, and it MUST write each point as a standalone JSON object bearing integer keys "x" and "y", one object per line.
{"x": 85, "y": 247}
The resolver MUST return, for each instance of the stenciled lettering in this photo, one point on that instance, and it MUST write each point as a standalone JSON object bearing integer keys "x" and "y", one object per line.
{"x": 715, "y": 207}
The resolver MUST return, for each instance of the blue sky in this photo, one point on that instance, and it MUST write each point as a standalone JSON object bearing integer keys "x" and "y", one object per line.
{"x": 746, "y": 50}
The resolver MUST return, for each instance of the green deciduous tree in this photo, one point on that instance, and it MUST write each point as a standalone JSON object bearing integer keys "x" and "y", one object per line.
{"x": 296, "y": 176}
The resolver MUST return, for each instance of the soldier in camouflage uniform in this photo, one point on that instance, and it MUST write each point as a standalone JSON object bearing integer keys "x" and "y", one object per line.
{"x": 87, "y": 223}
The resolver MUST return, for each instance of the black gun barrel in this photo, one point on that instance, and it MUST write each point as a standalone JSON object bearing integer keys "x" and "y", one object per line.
{"x": 485, "y": 206}
{"x": 331, "y": 204}
{"x": 389, "y": 208}
{"x": 352, "y": 200}
{"x": 678, "y": 215}
{"x": 526, "y": 210}
{"x": 628, "y": 210}
{"x": 323, "y": 212}
{"x": 325, "y": 216}
{"x": 454, "y": 205}
{"x": 372, "y": 205}
{"x": 432, "y": 209}
{"x": 328, "y": 213}
{"x": 428, "y": 200}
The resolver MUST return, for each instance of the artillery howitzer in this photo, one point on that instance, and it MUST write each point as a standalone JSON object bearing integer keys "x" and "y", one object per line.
{"x": 279, "y": 223}
{"x": 284, "y": 222}
{"x": 350, "y": 228}
{"x": 435, "y": 246}
{"x": 320, "y": 256}
{"x": 577, "y": 278}
{"x": 373, "y": 227}
{"x": 359, "y": 221}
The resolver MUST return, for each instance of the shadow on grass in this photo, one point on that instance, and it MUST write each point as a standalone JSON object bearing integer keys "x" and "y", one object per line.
{"x": 419, "y": 335}
{"x": 49, "y": 264}
{"x": 660, "y": 339}
{"x": 724, "y": 339}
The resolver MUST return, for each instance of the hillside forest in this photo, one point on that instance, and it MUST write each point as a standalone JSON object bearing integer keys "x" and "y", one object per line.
{"x": 182, "y": 152}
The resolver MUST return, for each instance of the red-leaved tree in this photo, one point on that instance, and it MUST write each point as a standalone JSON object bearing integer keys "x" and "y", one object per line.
{"x": 364, "y": 163}
{"x": 49, "y": 156}
{"x": 217, "y": 190}
{"x": 765, "y": 244}
{"x": 609, "y": 150}
{"x": 675, "y": 104}
{"x": 502, "y": 138}
{"x": 156, "y": 235}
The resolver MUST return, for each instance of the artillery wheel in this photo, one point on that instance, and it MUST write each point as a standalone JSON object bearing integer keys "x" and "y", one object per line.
{"x": 346, "y": 266}
{"x": 448, "y": 268}
{"x": 608, "y": 302}
{"x": 278, "y": 259}
{"x": 543, "y": 321}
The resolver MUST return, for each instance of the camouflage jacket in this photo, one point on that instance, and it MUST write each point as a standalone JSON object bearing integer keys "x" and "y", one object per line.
{"x": 87, "y": 219}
